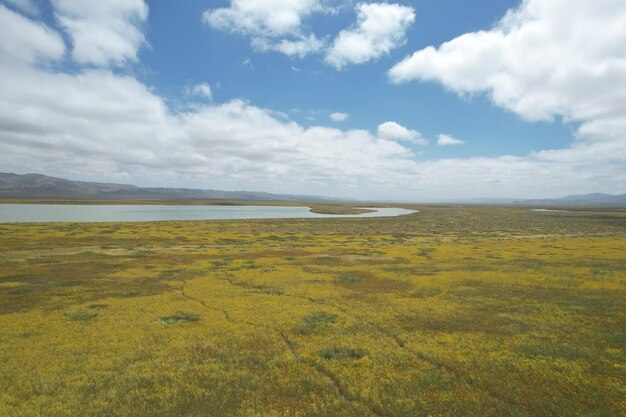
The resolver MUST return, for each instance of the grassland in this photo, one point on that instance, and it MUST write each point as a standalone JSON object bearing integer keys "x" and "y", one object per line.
{"x": 453, "y": 311}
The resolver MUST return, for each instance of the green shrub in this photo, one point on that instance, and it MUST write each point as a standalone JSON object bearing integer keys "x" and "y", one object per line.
{"x": 315, "y": 322}
{"x": 342, "y": 353}
{"x": 180, "y": 317}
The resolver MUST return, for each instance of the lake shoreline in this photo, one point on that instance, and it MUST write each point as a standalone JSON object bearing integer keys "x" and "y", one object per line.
{"x": 54, "y": 213}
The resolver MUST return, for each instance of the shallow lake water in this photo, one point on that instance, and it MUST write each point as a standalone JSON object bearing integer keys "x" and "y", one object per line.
{"x": 10, "y": 213}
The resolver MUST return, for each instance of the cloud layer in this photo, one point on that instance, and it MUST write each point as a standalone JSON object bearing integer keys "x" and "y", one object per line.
{"x": 546, "y": 59}
{"x": 274, "y": 25}
{"x": 539, "y": 62}
{"x": 103, "y": 32}
{"x": 100, "y": 125}
{"x": 279, "y": 26}
{"x": 96, "y": 123}
{"x": 27, "y": 42}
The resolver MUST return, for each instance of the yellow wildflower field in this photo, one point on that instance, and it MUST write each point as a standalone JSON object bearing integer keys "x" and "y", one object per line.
{"x": 452, "y": 311}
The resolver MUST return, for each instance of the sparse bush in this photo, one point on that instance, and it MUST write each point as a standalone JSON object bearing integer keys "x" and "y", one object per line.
{"x": 342, "y": 353}
{"x": 348, "y": 278}
{"x": 180, "y": 317}
{"x": 315, "y": 322}
{"x": 97, "y": 306}
{"x": 80, "y": 315}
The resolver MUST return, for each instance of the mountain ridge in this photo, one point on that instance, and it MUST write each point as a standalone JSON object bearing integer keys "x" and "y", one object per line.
{"x": 39, "y": 186}
{"x": 583, "y": 200}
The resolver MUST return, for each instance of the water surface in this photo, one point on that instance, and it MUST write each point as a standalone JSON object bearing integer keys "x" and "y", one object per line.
{"x": 146, "y": 213}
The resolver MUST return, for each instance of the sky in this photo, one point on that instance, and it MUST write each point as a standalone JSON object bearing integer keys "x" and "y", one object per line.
{"x": 401, "y": 100}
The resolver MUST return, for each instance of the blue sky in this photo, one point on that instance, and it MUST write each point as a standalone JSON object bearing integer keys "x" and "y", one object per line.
{"x": 441, "y": 99}
{"x": 184, "y": 50}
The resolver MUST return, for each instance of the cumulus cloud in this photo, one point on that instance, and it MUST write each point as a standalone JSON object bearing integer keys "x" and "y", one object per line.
{"x": 274, "y": 25}
{"x": 201, "y": 90}
{"x": 97, "y": 124}
{"x": 380, "y": 28}
{"x": 447, "y": 140}
{"x": 395, "y": 131}
{"x": 279, "y": 26}
{"x": 543, "y": 59}
{"x": 262, "y": 17}
{"x": 23, "y": 40}
{"x": 126, "y": 131}
{"x": 103, "y": 32}
{"x": 538, "y": 62}
{"x": 339, "y": 117}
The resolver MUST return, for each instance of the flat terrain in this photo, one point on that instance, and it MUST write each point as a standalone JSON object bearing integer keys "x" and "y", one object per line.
{"x": 453, "y": 311}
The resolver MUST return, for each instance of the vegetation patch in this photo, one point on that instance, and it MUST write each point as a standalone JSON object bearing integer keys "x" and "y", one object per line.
{"x": 11, "y": 284}
{"x": 80, "y": 315}
{"x": 426, "y": 292}
{"x": 315, "y": 322}
{"x": 471, "y": 320}
{"x": 352, "y": 278}
{"x": 255, "y": 287}
{"x": 97, "y": 306}
{"x": 180, "y": 317}
{"x": 69, "y": 283}
{"x": 534, "y": 329}
{"x": 367, "y": 282}
{"x": 342, "y": 353}
{"x": 220, "y": 264}
{"x": 129, "y": 294}
{"x": 551, "y": 349}
{"x": 426, "y": 252}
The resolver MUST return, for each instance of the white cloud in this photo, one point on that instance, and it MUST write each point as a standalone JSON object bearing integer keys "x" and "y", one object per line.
{"x": 380, "y": 28}
{"x": 26, "y": 6}
{"x": 339, "y": 117}
{"x": 103, "y": 32}
{"x": 267, "y": 18}
{"x": 447, "y": 140}
{"x": 202, "y": 90}
{"x": 395, "y": 131}
{"x": 279, "y": 26}
{"x": 95, "y": 124}
{"x": 273, "y": 25}
{"x": 23, "y": 40}
{"x": 127, "y": 131}
{"x": 545, "y": 58}
{"x": 301, "y": 46}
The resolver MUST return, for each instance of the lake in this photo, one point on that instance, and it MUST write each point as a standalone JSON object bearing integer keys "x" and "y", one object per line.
{"x": 10, "y": 213}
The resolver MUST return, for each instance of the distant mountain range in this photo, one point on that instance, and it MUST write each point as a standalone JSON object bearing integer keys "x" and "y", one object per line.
{"x": 37, "y": 186}
{"x": 578, "y": 200}
{"x": 582, "y": 200}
